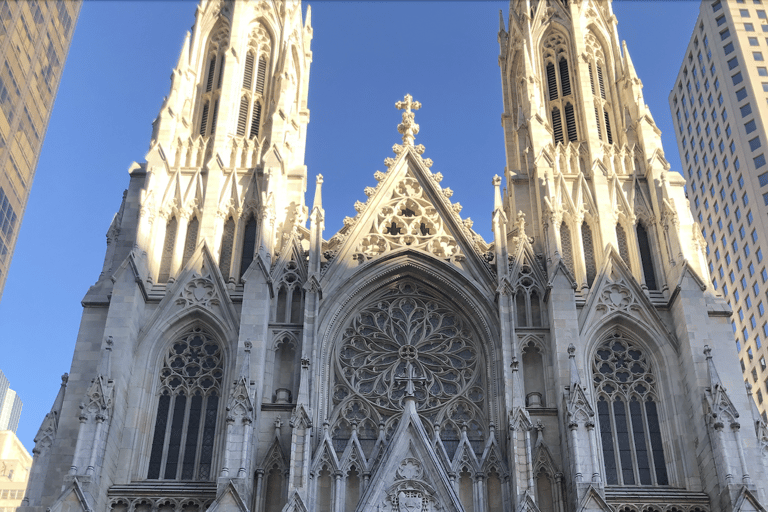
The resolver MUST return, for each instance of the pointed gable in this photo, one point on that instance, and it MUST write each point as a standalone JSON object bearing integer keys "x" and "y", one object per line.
{"x": 410, "y": 476}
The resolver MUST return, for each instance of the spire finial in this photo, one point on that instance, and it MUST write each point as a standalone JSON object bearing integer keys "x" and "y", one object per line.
{"x": 408, "y": 128}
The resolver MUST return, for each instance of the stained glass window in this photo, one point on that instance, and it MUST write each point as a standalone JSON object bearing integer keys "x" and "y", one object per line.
{"x": 627, "y": 412}
{"x": 187, "y": 408}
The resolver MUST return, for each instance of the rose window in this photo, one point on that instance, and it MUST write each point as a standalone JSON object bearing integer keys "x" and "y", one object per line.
{"x": 408, "y": 337}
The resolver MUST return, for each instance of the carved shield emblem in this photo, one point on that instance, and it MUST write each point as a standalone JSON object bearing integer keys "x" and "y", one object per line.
{"x": 410, "y": 502}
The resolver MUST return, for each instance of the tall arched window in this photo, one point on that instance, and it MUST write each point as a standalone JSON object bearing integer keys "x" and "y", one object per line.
{"x": 252, "y": 93}
{"x": 646, "y": 258}
{"x": 560, "y": 98}
{"x": 600, "y": 93}
{"x": 214, "y": 74}
{"x": 187, "y": 408}
{"x": 191, "y": 242}
{"x": 566, "y": 246}
{"x": 628, "y": 413}
{"x": 621, "y": 238}
{"x": 227, "y": 241}
{"x": 168, "y": 246}
{"x": 590, "y": 264}
{"x": 249, "y": 244}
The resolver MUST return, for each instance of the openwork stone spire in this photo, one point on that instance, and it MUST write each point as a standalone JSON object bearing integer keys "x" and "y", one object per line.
{"x": 408, "y": 128}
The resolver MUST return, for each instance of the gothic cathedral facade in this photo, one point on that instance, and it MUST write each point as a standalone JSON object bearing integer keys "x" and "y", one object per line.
{"x": 234, "y": 357}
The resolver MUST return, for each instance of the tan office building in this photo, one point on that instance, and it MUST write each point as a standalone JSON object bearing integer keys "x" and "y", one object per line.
{"x": 719, "y": 104}
{"x": 34, "y": 41}
{"x": 15, "y": 463}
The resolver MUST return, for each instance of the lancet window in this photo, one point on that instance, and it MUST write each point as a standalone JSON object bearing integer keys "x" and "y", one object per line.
{"x": 646, "y": 257}
{"x": 193, "y": 226}
{"x": 533, "y": 372}
{"x": 213, "y": 73}
{"x": 628, "y": 413}
{"x": 528, "y": 300}
{"x": 249, "y": 244}
{"x": 284, "y": 385}
{"x": 254, "y": 84}
{"x": 621, "y": 238}
{"x": 590, "y": 263}
{"x": 187, "y": 411}
{"x": 409, "y": 330}
{"x": 227, "y": 244}
{"x": 560, "y": 96}
{"x": 600, "y": 90}
{"x": 289, "y": 306}
{"x": 167, "y": 255}
{"x": 566, "y": 246}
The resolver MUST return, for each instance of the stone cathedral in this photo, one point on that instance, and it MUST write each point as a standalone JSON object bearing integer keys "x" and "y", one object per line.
{"x": 233, "y": 356}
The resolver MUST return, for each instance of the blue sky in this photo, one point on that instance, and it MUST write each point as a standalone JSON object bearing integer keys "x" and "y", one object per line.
{"x": 367, "y": 56}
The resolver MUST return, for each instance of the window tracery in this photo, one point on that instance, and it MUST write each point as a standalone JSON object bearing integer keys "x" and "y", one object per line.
{"x": 290, "y": 296}
{"x": 190, "y": 243}
{"x": 187, "y": 408}
{"x": 409, "y": 219}
{"x": 409, "y": 327}
{"x": 628, "y": 414}
{"x": 590, "y": 263}
{"x": 621, "y": 238}
{"x": 603, "y": 109}
{"x": 252, "y": 91}
{"x": 560, "y": 97}
{"x": 566, "y": 245}
{"x": 214, "y": 74}
{"x": 528, "y": 300}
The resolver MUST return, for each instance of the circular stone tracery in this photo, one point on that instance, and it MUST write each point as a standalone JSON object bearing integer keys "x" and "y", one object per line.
{"x": 408, "y": 327}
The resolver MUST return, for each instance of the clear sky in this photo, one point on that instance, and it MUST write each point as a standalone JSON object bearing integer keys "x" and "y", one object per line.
{"x": 367, "y": 56}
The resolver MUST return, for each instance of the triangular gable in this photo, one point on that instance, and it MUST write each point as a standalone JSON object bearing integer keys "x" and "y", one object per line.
{"x": 410, "y": 470}
{"x": 492, "y": 455}
{"x": 619, "y": 201}
{"x": 199, "y": 288}
{"x": 748, "y": 502}
{"x": 228, "y": 500}
{"x": 409, "y": 210}
{"x": 465, "y": 456}
{"x": 583, "y": 196}
{"x": 291, "y": 251}
{"x": 523, "y": 255}
{"x": 354, "y": 455}
{"x": 593, "y": 502}
{"x": 617, "y": 294}
{"x": 173, "y": 196}
{"x": 561, "y": 268}
{"x": 325, "y": 453}
{"x": 527, "y": 504}
{"x": 687, "y": 271}
{"x": 72, "y": 499}
{"x": 641, "y": 203}
{"x": 275, "y": 455}
{"x": 230, "y": 197}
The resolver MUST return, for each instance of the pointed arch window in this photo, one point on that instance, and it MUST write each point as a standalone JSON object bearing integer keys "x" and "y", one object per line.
{"x": 600, "y": 93}
{"x": 249, "y": 244}
{"x": 566, "y": 246}
{"x": 214, "y": 76}
{"x": 253, "y": 90}
{"x": 646, "y": 256}
{"x": 227, "y": 242}
{"x": 560, "y": 96}
{"x": 621, "y": 238}
{"x": 628, "y": 413}
{"x": 191, "y": 242}
{"x": 590, "y": 264}
{"x": 168, "y": 245}
{"x": 187, "y": 412}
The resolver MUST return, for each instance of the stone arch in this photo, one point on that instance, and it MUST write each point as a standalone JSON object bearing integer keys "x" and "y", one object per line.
{"x": 661, "y": 359}
{"x": 438, "y": 283}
